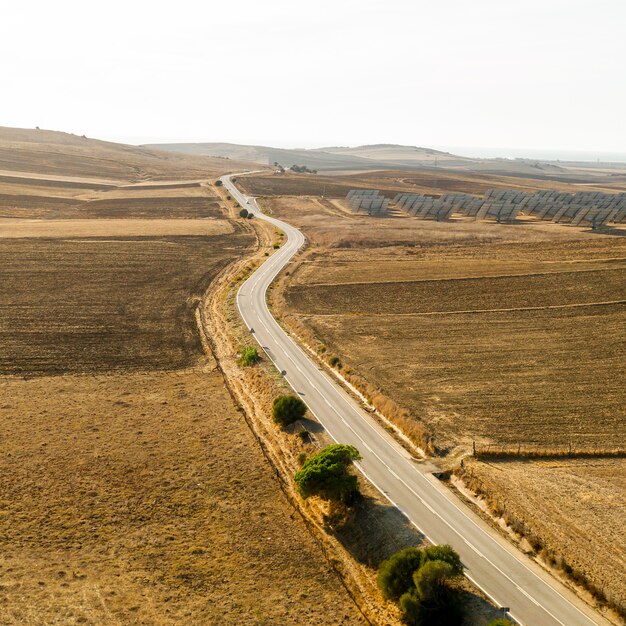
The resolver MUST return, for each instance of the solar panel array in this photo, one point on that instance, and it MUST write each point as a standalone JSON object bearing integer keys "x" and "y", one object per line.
{"x": 369, "y": 200}
{"x": 427, "y": 207}
{"x": 504, "y": 205}
{"x": 593, "y": 208}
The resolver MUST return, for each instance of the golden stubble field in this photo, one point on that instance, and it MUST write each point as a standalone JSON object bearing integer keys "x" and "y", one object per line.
{"x": 143, "y": 498}
{"x": 576, "y": 507}
{"x": 131, "y": 489}
{"x": 510, "y": 336}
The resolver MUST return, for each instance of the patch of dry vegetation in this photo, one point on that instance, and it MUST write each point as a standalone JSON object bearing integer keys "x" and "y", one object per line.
{"x": 19, "y": 198}
{"x": 504, "y": 359}
{"x": 12, "y": 228}
{"x": 84, "y": 305}
{"x": 573, "y": 510}
{"x": 144, "y": 499}
{"x": 54, "y": 153}
{"x": 431, "y": 181}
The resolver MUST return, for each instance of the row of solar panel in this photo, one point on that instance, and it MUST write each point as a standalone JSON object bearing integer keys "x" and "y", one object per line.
{"x": 595, "y": 208}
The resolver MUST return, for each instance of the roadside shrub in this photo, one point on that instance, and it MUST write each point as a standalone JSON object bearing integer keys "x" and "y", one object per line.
{"x": 218, "y": 183}
{"x": 412, "y": 609}
{"x": 395, "y": 575}
{"x": 431, "y": 601}
{"x": 243, "y": 213}
{"x": 305, "y": 435}
{"x": 249, "y": 356}
{"x": 228, "y": 197}
{"x": 446, "y": 554}
{"x": 430, "y": 580}
{"x": 326, "y": 474}
{"x": 334, "y": 361}
{"x": 287, "y": 410}
{"x": 302, "y": 458}
{"x": 276, "y": 246}
{"x": 446, "y": 612}
{"x": 419, "y": 582}
{"x": 250, "y": 215}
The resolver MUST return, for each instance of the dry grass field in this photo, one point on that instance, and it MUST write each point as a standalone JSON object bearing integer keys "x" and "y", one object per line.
{"x": 133, "y": 492}
{"x": 16, "y": 228}
{"x": 577, "y": 505}
{"x": 142, "y": 498}
{"x": 68, "y": 199}
{"x": 505, "y": 359}
{"x": 101, "y": 304}
{"x": 431, "y": 181}
{"x": 62, "y": 154}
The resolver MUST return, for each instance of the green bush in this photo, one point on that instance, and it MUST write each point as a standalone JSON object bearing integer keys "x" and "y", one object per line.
{"x": 334, "y": 361}
{"x": 243, "y": 213}
{"x": 326, "y": 474}
{"x": 287, "y": 410}
{"x": 218, "y": 183}
{"x": 412, "y": 608}
{"x": 395, "y": 575}
{"x": 447, "y": 611}
{"x": 419, "y": 582}
{"x": 249, "y": 356}
{"x": 443, "y": 553}
{"x": 430, "y": 580}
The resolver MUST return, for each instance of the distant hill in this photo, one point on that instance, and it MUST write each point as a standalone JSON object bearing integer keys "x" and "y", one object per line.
{"x": 382, "y": 156}
{"x": 52, "y": 153}
{"x": 361, "y": 158}
{"x": 320, "y": 160}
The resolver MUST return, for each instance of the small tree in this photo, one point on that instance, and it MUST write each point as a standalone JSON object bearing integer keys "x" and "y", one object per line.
{"x": 431, "y": 601}
{"x": 243, "y": 213}
{"x": 446, "y": 554}
{"x": 430, "y": 580}
{"x": 287, "y": 410}
{"x": 249, "y": 356}
{"x": 326, "y": 474}
{"x": 395, "y": 575}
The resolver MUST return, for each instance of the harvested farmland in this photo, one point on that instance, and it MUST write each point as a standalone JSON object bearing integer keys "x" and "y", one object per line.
{"x": 576, "y": 507}
{"x": 473, "y": 347}
{"x": 508, "y": 379}
{"x": 143, "y": 498}
{"x": 157, "y": 207}
{"x": 557, "y": 289}
{"x": 92, "y": 305}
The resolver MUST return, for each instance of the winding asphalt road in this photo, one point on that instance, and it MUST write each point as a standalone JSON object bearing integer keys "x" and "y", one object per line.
{"x": 510, "y": 579}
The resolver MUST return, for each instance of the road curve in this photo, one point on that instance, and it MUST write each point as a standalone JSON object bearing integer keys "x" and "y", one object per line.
{"x": 509, "y": 578}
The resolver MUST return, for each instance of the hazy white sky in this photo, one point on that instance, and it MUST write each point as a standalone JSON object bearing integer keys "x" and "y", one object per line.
{"x": 540, "y": 74}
